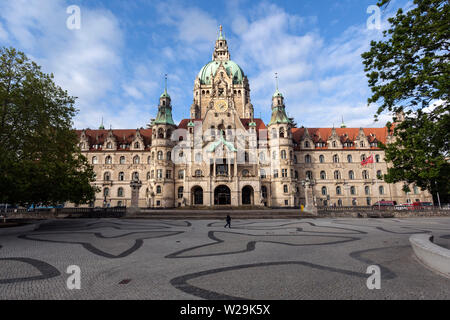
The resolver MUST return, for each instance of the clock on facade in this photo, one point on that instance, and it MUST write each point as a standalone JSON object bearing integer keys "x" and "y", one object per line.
{"x": 221, "y": 105}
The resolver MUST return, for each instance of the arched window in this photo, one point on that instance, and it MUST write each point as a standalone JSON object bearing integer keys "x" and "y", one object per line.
{"x": 122, "y": 160}
{"x": 245, "y": 173}
{"x": 283, "y": 154}
{"x": 307, "y": 158}
{"x": 158, "y": 189}
{"x": 379, "y": 174}
{"x": 109, "y": 145}
{"x": 335, "y": 158}
{"x": 323, "y": 175}
{"x": 365, "y": 174}
{"x": 381, "y": 190}
{"x": 274, "y": 155}
{"x": 246, "y": 157}
{"x": 338, "y": 191}
{"x": 367, "y": 190}
{"x": 135, "y": 176}
{"x": 94, "y": 160}
{"x": 137, "y": 145}
{"x": 108, "y": 160}
{"x": 324, "y": 191}
{"x": 321, "y": 159}
{"x": 352, "y": 190}
{"x": 148, "y": 175}
{"x": 136, "y": 160}
{"x": 309, "y": 175}
{"x": 351, "y": 175}
{"x": 363, "y": 157}
{"x": 349, "y": 158}
{"x": 106, "y": 192}
{"x": 120, "y": 192}
{"x": 107, "y": 176}
{"x": 180, "y": 192}
{"x": 377, "y": 158}
{"x": 281, "y": 132}
{"x": 121, "y": 176}
{"x": 337, "y": 175}
{"x": 262, "y": 156}
{"x": 306, "y": 144}
{"x": 285, "y": 188}
{"x": 161, "y": 133}
{"x": 149, "y": 160}
{"x": 160, "y": 155}
{"x": 295, "y": 159}
{"x": 334, "y": 144}
{"x": 169, "y": 155}
{"x": 416, "y": 190}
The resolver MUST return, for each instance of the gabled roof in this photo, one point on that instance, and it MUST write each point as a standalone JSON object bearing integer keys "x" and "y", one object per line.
{"x": 122, "y": 136}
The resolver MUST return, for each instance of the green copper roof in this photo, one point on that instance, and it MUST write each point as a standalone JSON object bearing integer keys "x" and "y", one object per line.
{"x": 277, "y": 94}
{"x": 217, "y": 143}
{"x": 279, "y": 116}
{"x": 252, "y": 124}
{"x": 164, "y": 116}
{"x": 191, "y": 124}
{"x": 164, "y": 95}
{"x": 232, "y": 68}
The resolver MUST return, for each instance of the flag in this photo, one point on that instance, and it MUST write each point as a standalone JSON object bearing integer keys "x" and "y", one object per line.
{"x": 367, "y": 160}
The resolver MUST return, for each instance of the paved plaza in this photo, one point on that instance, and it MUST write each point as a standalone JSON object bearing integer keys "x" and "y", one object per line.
{"x": 200, "y": 259}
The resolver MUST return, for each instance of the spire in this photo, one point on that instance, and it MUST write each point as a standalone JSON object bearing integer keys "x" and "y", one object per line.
{"x": 277, "y": 92}
{"x": 343, "y": 124}
{"x": 221, "y": 36}
{"x": 102, "y": 127}
{"x": 165, "y": 94}
{"x": 221, "y": 52}
{"x": 164, "y": 115}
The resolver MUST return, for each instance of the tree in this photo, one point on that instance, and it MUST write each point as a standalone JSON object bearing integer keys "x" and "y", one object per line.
{"x": 40, "y": 161}
{"x": 409, "y": 74}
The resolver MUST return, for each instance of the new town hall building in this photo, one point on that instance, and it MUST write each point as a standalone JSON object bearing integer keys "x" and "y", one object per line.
{"x": 222, "y": 155}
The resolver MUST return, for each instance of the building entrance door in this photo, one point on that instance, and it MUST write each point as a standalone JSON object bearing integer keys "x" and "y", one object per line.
{"x": 222, "y": 196}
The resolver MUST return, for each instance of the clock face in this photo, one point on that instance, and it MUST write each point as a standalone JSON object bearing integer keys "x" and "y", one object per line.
{"x": 221, "y": 105}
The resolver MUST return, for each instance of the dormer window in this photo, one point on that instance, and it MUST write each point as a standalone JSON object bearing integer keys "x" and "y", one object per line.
{"x": 137, "y": 145}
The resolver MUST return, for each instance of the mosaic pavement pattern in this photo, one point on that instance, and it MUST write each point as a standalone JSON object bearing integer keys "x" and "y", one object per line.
{"x": 255, "y": 259}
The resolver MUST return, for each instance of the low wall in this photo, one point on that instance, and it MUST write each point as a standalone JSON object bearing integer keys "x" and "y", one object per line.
{"x": 433, "y": 256}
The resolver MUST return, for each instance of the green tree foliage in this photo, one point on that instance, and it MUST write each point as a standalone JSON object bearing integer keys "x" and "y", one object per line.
{"x": 408, "y": 73}
{"x": 40, "y": 161}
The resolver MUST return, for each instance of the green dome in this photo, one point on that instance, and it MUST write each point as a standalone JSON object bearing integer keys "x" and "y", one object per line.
{"x": 277, "y": 94}
{"x": 164, "y": 95}
{"x": 233, "y": 70}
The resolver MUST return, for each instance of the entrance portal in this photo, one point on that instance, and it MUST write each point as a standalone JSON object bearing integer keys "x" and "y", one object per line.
{"x": 197, "y": 195}
{"x": 247, "y": 195}
{"x": 222, "y": 196}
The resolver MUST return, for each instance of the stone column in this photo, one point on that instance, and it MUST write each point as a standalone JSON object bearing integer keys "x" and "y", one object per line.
{"x": 309, "y": 200}
{"x": 135, "y": 185}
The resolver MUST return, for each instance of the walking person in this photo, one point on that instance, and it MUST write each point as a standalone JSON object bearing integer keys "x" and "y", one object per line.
{"x": 228, "y": 222}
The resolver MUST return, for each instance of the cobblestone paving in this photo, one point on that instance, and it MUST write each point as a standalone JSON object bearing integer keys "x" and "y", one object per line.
{"x": 199, "y": 259}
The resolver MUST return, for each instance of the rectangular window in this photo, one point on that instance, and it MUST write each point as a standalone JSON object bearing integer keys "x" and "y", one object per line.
{"x": 159, "y": 174}
{"x": 275, "y": 173}
{"x": 168, "y": 174}
{"x": 284, "y": 173}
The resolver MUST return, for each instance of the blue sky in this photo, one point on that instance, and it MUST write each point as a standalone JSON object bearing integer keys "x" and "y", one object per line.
{"x": 115, "y": 63}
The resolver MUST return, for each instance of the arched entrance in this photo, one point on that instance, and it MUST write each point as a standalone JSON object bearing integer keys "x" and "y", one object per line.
{"x": 197, "y": 195}
{"x": 222, "y": 195}
{"x": 247, "y": 195}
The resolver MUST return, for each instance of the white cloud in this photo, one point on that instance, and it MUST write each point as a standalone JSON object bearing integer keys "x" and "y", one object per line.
{"x": 85, "y": 62}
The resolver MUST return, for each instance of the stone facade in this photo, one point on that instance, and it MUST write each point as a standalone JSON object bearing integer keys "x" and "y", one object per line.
{"x": 222, "y": 155}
